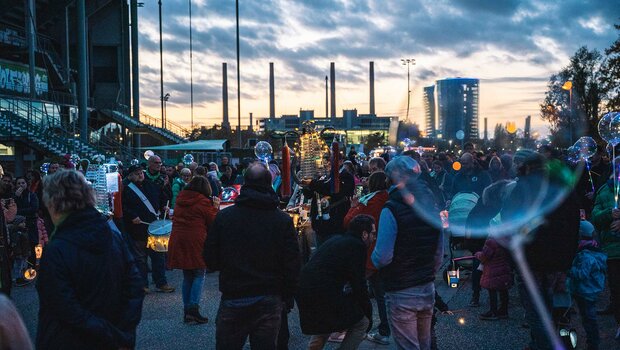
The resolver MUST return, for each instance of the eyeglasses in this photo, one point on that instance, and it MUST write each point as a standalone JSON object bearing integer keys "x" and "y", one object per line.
{"x": 157, "y": 162}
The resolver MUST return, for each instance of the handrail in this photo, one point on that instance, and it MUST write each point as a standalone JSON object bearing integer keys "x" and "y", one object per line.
{"x": 171, "y": 126}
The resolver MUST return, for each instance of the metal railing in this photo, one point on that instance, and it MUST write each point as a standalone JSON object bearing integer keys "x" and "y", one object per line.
{"x": 172, "y": 127}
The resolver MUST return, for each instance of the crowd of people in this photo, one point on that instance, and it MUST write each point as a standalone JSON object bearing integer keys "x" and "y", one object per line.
{"x": 378, "y": 233}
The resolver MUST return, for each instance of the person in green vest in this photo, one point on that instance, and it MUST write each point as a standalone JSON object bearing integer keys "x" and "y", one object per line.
{"x": 606, "y": 219}
{"x": 179, "y": 183}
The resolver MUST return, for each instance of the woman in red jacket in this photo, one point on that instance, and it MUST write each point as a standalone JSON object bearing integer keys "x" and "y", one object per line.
{"x": 194, "y": 212}
{"x": 372, "y": 204}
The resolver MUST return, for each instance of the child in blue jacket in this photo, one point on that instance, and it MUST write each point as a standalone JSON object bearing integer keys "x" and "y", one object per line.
{"x": 586, "y": 280}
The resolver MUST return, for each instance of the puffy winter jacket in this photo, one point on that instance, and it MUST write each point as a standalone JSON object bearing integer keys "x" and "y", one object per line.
{"x": 601, "y": 218}
{"x": 587, "y": 275}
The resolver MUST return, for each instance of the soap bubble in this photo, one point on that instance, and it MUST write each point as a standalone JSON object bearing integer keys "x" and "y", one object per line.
{"x": 134, "y": 162}
{"x": 45, "y": 167}
{"x": 263, "y": 151}
{"x": 74, "y": 158}
{"x": 614, "y": 130}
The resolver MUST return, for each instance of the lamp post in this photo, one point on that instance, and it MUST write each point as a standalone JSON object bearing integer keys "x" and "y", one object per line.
{"x": 161, "y": 69}
{"x": 164, "y": 100}
{"x": 407, "y": 62}
{"x": 568, "y": 85}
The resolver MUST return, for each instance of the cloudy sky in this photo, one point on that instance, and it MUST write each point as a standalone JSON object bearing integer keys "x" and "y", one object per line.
{"x": 512, "y": 46}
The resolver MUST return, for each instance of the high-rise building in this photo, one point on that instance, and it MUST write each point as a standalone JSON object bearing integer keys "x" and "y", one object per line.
{"x": 457, "y": 107}
{"x": 429, "y": 111}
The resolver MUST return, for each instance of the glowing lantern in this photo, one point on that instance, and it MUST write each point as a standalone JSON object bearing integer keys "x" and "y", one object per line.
{"x": 511, "y": 127}
{"x": 456, "y": 166}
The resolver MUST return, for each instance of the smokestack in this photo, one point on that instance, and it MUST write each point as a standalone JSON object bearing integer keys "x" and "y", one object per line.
{"x": 486, "y": 135}
{"x": 326, "y": 99}
{"x": 272, "y": 99}
{"x": 372, "y": 87}
{"x": 332, "y": 82}
{"x": 225, "y": 123}
{"x": 251, "y": 123}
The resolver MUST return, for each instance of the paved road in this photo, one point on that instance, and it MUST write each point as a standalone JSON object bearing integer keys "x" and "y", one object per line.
{"x": 162, "y": 326}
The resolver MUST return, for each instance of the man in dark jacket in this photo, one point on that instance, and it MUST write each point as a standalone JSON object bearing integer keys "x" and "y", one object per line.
{"x": 142, "y": 203}
{"x": 90, "y": 290}
{"x": 408, "y": 253}
{"x": 553, "y": 245}
{"x": 471, "y": 177}
{"x": 332, "y": 295}
{"x": 253, "y": 245}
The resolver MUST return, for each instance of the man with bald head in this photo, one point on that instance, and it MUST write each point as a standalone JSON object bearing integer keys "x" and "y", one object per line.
{"x": 253, "y": 245}
{"x": 471, "y": 177}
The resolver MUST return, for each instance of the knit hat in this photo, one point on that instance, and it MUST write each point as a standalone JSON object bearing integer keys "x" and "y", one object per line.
{"x": 586, "y": 229}
{"x": 133, "y": 168}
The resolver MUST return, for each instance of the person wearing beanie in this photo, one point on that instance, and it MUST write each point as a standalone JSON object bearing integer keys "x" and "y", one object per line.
{"x": 586, "y": 280}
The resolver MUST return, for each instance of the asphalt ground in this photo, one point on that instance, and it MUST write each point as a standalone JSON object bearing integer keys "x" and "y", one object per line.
{"x": 162, "y": 324}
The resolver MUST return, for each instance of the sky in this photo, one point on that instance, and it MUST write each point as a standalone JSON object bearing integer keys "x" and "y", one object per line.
{"x": 512, "y": 46}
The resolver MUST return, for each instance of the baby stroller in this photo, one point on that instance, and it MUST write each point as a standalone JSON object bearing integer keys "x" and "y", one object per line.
{"x": 460, "y": 257}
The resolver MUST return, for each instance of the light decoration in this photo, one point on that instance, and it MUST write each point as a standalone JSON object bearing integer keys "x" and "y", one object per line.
{"x": 310, "y": 152}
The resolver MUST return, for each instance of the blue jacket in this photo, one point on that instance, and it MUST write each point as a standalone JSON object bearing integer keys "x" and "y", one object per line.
{"x": 586, "y": 277}
{"x": 90, "y": 290}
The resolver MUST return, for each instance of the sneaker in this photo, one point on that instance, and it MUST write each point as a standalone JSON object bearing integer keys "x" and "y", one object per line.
{"x": 378, "y": 338}
{"x": 146, "y": 290}
{"x": 166, "y": 288}
{"x": 337, "y": 337}
{"x": 488, "y": 316}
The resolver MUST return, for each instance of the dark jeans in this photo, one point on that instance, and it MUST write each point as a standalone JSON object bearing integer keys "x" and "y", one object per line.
{"x": 192, "y": 287}
{"x": 587, "y": 311}
{"x": 476, "y": 275}
{"x": 503, "y": 297}
{"x": 548, "y": 284}
{"x": 377, "y": 289}
{"x": 260, "y": 321}
{"x": 158, "y": 264}
{"x": 283, "y": 334}
{"x": 613, "y": 278}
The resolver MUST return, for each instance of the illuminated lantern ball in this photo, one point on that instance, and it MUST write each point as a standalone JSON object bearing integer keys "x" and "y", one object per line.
{"x": 614, "y": 130}
{"x": 134, "y": 162}
{"x": 148, "y": 154}
{"x": 603, "y": 126}
{"x": 573, "y": 153}
{"x": 188, "y": 159}
{"x": 456, "y": 166}
{"x": 460, "y": 134}
{"x": 461, "y": 321}
{"x": 75, "y": 159}
{"x": 263, "y": 151}
{"x": 511, "y": 127}
{"x": 45, "y": 167}
{"x": 586, "y": 146}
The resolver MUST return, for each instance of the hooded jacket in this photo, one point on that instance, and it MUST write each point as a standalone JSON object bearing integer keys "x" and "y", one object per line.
{"x": 254, "y": 246}
{"x": 90, "y": 290}
{"x": 332, "y": 292}
{"x": 587, "y": 275}
{"x": 193, "y": 215}
{"x": 601, "y": 218}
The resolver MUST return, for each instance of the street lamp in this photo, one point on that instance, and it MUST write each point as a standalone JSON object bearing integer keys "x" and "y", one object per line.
{"x": 568, "y": 85}
{"x": 163, "y": 101}
{"x": 407, "y": 62}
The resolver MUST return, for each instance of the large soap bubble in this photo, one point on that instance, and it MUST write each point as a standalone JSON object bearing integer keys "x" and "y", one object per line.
{"x": 603, "y": 126}
{"x": 572, "y": 154}
{"x": 586, "y": 147}
{"x": 263, "y": 151}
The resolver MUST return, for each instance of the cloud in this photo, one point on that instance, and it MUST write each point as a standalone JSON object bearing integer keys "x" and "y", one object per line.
{"x": 513, "y": 41}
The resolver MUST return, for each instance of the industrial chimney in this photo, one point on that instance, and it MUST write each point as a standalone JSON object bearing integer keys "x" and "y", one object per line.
{"x": 251, "y": 121}
{"x": 272, "y": 99}
{"x": 332, "y": 82}
{"x": 372, "y": 87}
{"x": 225, "y": 123}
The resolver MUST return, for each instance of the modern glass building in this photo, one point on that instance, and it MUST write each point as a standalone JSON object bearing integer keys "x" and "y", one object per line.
{"x": 457, "y": 107}
{"x": 429, "y": 111}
